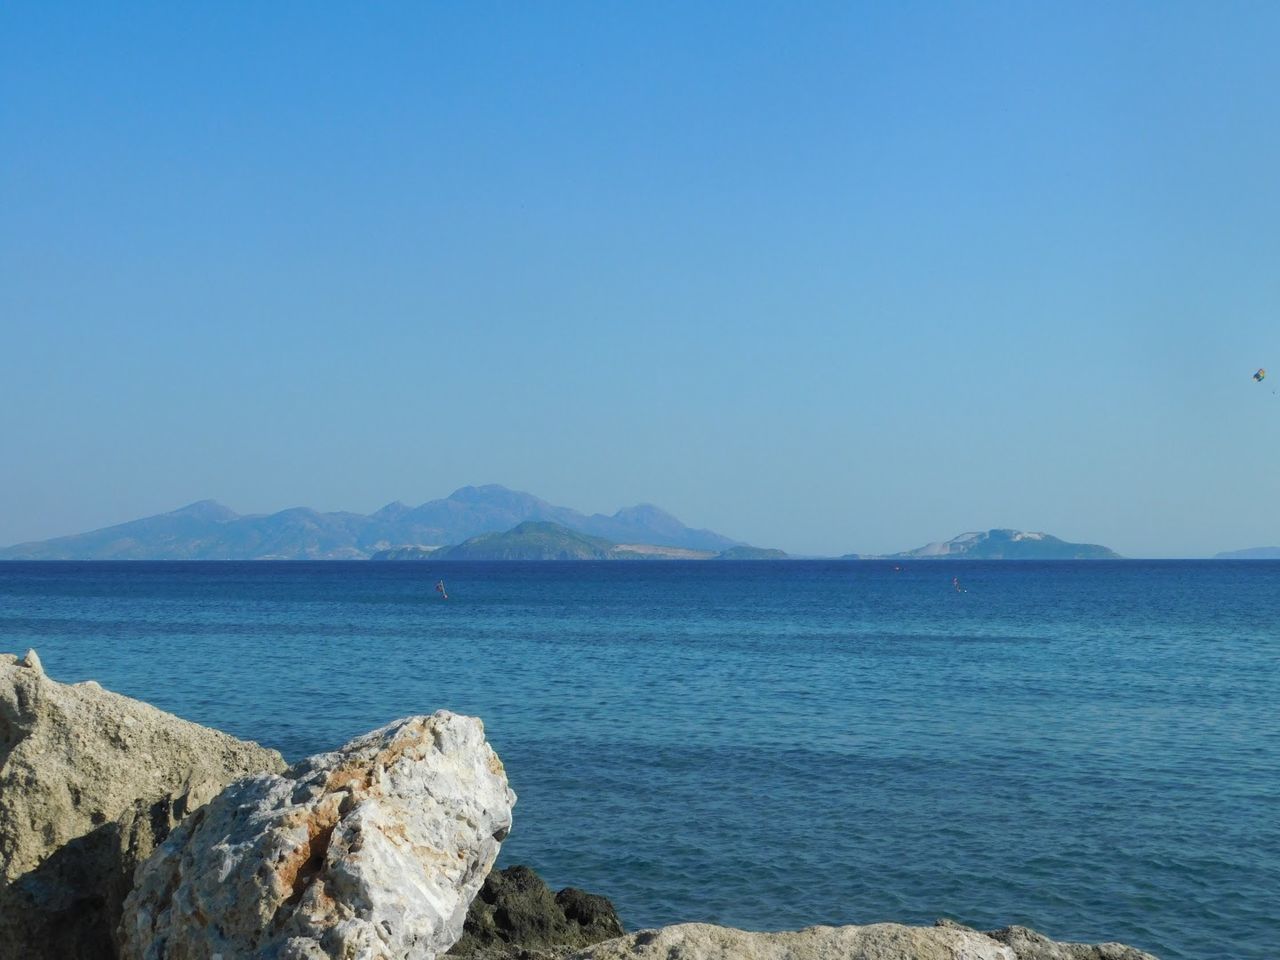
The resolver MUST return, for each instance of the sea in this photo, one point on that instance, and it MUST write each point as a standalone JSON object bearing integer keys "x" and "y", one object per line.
{"x": 1088, "y": 748}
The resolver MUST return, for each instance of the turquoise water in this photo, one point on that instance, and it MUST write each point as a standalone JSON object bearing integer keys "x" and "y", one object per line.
{"x": 1092, "y": 749}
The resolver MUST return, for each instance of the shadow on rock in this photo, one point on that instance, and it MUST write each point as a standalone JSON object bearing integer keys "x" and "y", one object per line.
{"x": 69, "y": 904}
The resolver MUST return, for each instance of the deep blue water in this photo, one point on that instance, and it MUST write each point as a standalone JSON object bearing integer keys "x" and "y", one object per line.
{"x": 1092, "y": 749}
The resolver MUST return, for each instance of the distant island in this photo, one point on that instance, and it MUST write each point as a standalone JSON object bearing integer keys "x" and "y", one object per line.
{"x": 543, "y": 540}
{"x": 489, "y": 522}
{"x": 1252, "y": 553}
{"x": 1000, "y": 545}
{"x": 207, "y": 530}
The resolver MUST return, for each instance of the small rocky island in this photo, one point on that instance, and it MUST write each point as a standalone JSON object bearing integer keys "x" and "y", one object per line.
{"x": 127, "y": 833}
{"x": 1250, "y": 553}
{"x": 1000, "y": 544}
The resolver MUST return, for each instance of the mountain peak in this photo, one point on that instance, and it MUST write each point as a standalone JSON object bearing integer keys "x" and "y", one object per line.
{"x": 210, "y": 510}
{"x": 496, "y": 495}
{"x": 646, "y": 523}
{"x": 482, "y": 491}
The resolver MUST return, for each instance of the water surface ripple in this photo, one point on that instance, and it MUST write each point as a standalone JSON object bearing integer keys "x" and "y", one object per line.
{"x": 1092, "y": 749}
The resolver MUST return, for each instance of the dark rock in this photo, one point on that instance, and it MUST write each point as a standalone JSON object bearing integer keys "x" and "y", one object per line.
{"x": 594, "y": 914}
{"x": 516, "y": 917}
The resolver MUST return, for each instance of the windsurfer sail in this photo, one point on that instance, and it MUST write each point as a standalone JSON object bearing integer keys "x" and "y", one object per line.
{"x": 440, "y": 589}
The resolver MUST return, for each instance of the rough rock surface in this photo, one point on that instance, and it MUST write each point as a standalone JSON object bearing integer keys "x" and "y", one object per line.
{"x": 371, "y": 852}
{"x": 516, "y": 916}
{"x": 90, "y": 782}
{"x": 878, "y": 941}
{"x": 1029, "y": 945}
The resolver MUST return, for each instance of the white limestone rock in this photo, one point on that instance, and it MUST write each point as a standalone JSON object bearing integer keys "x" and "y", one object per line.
{"x": 371, "y": 852}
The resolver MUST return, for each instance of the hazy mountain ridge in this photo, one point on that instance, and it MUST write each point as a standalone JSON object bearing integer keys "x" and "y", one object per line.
{"x": 1250, "y": 553}
{"x": 207, "y": 530}
{"x": 1002, "y": 544}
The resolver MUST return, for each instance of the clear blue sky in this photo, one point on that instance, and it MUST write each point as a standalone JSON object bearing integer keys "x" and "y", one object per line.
{"x": 844, "y": 277}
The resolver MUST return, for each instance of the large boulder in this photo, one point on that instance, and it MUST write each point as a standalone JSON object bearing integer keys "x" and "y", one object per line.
{"x": 371, "y": 852}
{"x": 90, "y": 783}
{"x": 516, "y": 915}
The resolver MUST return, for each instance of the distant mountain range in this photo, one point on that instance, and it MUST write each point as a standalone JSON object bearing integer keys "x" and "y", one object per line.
{"x": 1253, "y": 553}
{"x": 1002, "y": 545}
{"x": 209, "y": 531}
{"x": 483, "y": 523}
{"x": 543, "y": 540}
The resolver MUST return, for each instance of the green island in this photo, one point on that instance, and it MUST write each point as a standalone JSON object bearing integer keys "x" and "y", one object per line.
{"x": 544, "y": 540}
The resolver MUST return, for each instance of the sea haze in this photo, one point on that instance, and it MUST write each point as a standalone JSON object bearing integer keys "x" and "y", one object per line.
{"x": 1090, "y": 748}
